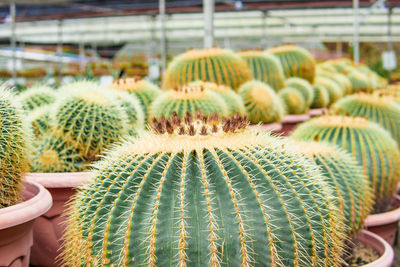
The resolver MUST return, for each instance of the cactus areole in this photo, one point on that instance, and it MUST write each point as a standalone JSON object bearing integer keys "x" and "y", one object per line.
{"x": 204, "y": 192}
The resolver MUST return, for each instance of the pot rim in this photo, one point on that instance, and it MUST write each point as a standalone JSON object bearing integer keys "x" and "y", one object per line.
{"x": 59, "y": 179}
{"x": 27, "y": 210}
{"x": 384, "y": 217}
{"x": 379, "y": 244}
{"x": 273, "y": 126}
{"x": 317, "y": 111}
{"x": 295, "y": 118}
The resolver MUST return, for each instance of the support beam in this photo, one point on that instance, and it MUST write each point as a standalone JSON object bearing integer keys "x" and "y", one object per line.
{"x": 13, "y": 41}
{"x": 208, "y": 13}
{"x": 163, "y": 38}
{"x": 59, "y": 46}
{"x": 356, "y": 37}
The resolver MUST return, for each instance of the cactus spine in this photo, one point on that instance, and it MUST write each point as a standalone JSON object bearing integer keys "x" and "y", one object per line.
{"x": 346, "y": 176}
{"x": 293, "y": 101}
{"x": 359, "y": 81}
{"x": 372, "y": 146}
{"x": 202, "y": 197}
{"x": 265, "y": 67}
{"x": 261, "y": 102}
{"x": 321, "y": 97}
{"x": 296, "y": 61}
{"x": 304, "y": 88}
{"x": 188, "y": 99}
{"x": 334, "y": 91}
{"x": 37, "y": 96}
{"x": 41, "y": 121}
{"x": 377, "y": 109}
{"x": 215, "y": 65}
{"x": 13, "y": 142}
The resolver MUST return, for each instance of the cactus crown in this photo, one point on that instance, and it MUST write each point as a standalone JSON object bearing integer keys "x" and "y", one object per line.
{"x": 293, "y": 101}
{"x": 37, "y": 96}
{"x": 231, "y": 197}
{"x": 40, "y": 120}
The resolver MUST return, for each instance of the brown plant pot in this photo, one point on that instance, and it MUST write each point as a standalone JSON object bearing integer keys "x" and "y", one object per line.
{"x": 386, "y": 224}
{"x": 272, "y": 127}
{"x": 380, "y": 245}
{"x": 16, "y": 225}
{"x": 315, "y": 112}
{"x": 290, "y": 122}
{"x": 49, "y": 228}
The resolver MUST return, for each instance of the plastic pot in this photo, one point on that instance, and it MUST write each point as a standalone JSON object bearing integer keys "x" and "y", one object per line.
{"x": 16, "y": 225}
{"x": 290, "y": 122}
{"x": 380, "y": 245}
{"x": 317, "y": 112}
{"x": 49, "y": 228}
{"x": 273, "y": 127}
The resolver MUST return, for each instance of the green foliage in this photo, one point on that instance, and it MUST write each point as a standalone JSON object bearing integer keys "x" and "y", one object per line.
{"x": 293, "y": 101}
{"x": 383, "y": 111}
{"x": 321, "y": 97}
{"x": 54, "y": 154}
{"x": 265, "y": 67}
{"x": 296, "y": 61}
{"x": 41, "y": 121}
{"x": 37, "y": 96}
{"x": 188, "y": 99}
{"x": 261, "y": 102}
{"x": 14, "y": 140}
{"x": 345, "y": 175}
{"x": 304, "y": 88}
{"x": 373, "y": 147}
{"x": 334, "y": 91}
{"x": 220, "y": 66}
{"x": 239, "y": 199}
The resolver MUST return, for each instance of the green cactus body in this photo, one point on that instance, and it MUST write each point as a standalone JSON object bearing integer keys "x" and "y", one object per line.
{"x": 334, "y": 91}
{"x": 93, "y": 118}
{"x": 377, "y": 109}
{"x": 293, "y": 101}
{"x": 321, "y": 97}
{"x": 326, "y": 66}
{"x": 82, "y": 84}
{"x": 13, "y": 143}
{"x": 232, "y": 100}
{"x": 145, "y": 91}
{"x": 359, "y": 82}
{"x": 41, "y": 121}
{"x": 304, "y": 88}
{"x": 342, "y": 65}
{"x": 346, "y": 176}
{"x": 261, "y": 102}
{"x": 198, "y": 198}
{"x": 265, "y": 67}
{"x": 36, "y": 97}
{"x": 215, "y": 65}
{"x": 189, "y": 98}
{"x": 372, "y": 146}
{"x": 133, "y": 109}
{"x": 296, "y": 61}
{"x": 341, "y": 80}
{"x": 54, "y": 154}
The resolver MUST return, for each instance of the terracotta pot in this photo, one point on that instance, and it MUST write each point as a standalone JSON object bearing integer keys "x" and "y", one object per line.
{"x": 380, "y": 245}
{"x": 16, "y": 225}
{"x": 290, "y": 122}
{"x": 385, "y": 224}
{"x": 49, "y": 228}
{"x": 273, "y": 127}
{"x": 317, "y": 112}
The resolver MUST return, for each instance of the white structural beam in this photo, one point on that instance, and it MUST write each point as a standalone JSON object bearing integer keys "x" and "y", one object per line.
{"x": 356, "y": 37}
{"x": 208, "y": 13}
{"x": 163, "y": 38}
{"x": 13, "y": 41}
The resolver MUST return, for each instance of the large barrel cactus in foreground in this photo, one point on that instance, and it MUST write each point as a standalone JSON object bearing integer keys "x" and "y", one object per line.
{"x": 205, "y": 194}
{"x": 220, "y": 66}
{"x": 265, "y": 67}
{"x": 346, "y": 176}
{"x": 13, "y": 153}
{"x": 296, "y": 61}
{"x": 372, "y": 146}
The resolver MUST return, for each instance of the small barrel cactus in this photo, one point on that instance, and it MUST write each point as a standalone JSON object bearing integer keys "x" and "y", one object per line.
{"x": 359, "y": 81}
{"x": 321, "y": 97}
{"x": 188, "y": 99}
{"x": 37, "y": 96}
{"x": 341, "y": 80}
{"x": 205, "y": 194}
{"x": 304, "y": 88}
{"x": 334, "y": 91}
{"x": 145, "y": 91}
{"x": 52, "y": 153}
{"x": 344, "y": 174}
{"x": 14, "y": 138}
{"x": 265, "y": 67}
{"x": 372, "y": 146}
{"x": 220, "y": 66}
{"x": 381, "y": 110}
{"x": 94, "y": 118}
{"x": 261, "y": 102}
{"x": 41, "y": 120}
{"x": 293, "y": 101}
{"x": 296, "y": 61}
{"x": 232, "y": 100}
